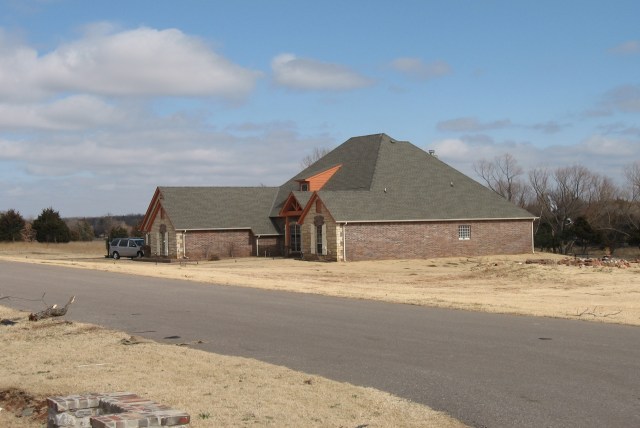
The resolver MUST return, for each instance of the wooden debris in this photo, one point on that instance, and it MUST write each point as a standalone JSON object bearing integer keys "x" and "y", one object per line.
{"x": 584, "y": 262}
{"x": 604, "y": 262}
{"x": 135, "y": 340}
{"x": 540, "y": 262}
{"x": 52, "y": 311}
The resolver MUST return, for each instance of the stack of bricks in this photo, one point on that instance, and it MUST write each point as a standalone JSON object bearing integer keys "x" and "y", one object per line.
{"x": 112, "y": 410}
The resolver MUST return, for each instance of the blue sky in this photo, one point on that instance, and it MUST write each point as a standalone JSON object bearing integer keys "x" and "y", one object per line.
{"x": 102, "y": 101}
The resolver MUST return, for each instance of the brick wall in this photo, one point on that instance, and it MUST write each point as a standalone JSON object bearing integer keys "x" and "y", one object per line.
{"x": 204, "y": 245}
{"x": 370, "y": 241}
{"x": 270, "y": 246}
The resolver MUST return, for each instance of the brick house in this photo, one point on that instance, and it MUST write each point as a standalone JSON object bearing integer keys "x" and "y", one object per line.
{"x": 370, "y": 198}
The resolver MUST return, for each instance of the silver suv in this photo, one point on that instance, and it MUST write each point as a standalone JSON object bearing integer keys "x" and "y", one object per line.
{"x": 126, "y": 247}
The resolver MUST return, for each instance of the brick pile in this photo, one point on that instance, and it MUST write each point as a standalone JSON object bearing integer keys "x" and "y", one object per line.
{"x": 112, "y": 410}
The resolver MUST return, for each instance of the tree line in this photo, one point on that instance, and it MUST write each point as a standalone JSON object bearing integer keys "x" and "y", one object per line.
{"x": 577, "y": 208}
{"x": 50, "y": 227}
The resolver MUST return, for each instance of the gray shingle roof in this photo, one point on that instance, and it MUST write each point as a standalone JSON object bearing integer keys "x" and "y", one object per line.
{"x": 198, "y": 208}
{"x": 383, "y": 179}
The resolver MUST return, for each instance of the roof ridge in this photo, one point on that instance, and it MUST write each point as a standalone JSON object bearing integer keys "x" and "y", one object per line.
{"x": 218, "y": 187}
{"x": 374, "y": 176}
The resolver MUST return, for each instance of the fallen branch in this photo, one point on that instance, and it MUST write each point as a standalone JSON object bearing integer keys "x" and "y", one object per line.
{"x": 52, "y": 311}
{"x": 22, "y": 298}
{"x": 594, "y": 313}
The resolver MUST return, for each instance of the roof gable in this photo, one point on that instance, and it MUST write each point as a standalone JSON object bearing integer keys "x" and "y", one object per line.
{"x": 317, "y": 181}
{"x": 152, "y": 211}
{"x": 357, "y": 156}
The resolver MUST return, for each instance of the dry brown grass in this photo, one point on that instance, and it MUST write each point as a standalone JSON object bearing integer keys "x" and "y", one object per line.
{"x": 53, "y": 357}
{"x": 501, "y": 284}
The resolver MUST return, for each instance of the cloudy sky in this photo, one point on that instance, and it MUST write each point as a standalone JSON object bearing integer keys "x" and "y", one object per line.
{"x": 102, "y": 101}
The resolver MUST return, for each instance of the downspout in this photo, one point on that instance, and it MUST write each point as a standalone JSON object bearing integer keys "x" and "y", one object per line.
{"x": 257, "y": 245}
{"x": 184, "y": 244}
{"x": 533, "y": 242}
{"x": 344, "y": 241}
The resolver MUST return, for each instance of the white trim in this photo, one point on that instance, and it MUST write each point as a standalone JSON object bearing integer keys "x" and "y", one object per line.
{"x": 324, "y": 239}
{"x": 312, "y": 231}
{"x": 533, "y": 242}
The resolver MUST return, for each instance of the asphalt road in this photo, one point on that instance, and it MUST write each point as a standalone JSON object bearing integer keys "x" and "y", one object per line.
{"x": 484, "y": 369}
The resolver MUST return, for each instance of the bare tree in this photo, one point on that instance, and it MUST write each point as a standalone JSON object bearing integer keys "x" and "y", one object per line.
{"x": 502, "y": 175}
{"x": 317, "y": 153}
{"x": 608, "y": 212}
{"x": 562, "y": 195}
{"x": 632, "y": 174}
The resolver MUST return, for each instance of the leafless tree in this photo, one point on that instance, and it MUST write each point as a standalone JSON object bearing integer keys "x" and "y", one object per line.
{"x": 27, "y": 233}
{"x": 317, "y": 153}
{"x": 562, "y": 195}
{"x": 502, "y": 175}
{"x": 632, "y": 174}
{"x": 608, "y": 212}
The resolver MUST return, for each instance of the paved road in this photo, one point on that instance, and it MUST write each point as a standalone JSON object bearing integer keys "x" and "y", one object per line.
{"x": 486, "y": 370}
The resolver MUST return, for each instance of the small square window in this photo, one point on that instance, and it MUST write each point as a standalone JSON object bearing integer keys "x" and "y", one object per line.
{"x": 464, "y": 232}
{"x": 304, "y": 187}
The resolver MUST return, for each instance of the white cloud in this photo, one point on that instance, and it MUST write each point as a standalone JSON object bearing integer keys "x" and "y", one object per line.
{"x": 70, "y": 113}
{"x": 308, "y": 74}
{"x": 75, "y": 166}
{"x": 600, "y": 146}
{"x": 143, "y": 61}
{"x": 452, "y": 149}
{"x": 418, "y": 69}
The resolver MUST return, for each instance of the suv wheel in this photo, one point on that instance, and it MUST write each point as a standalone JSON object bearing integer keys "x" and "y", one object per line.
{"x": 116, "y": 255}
